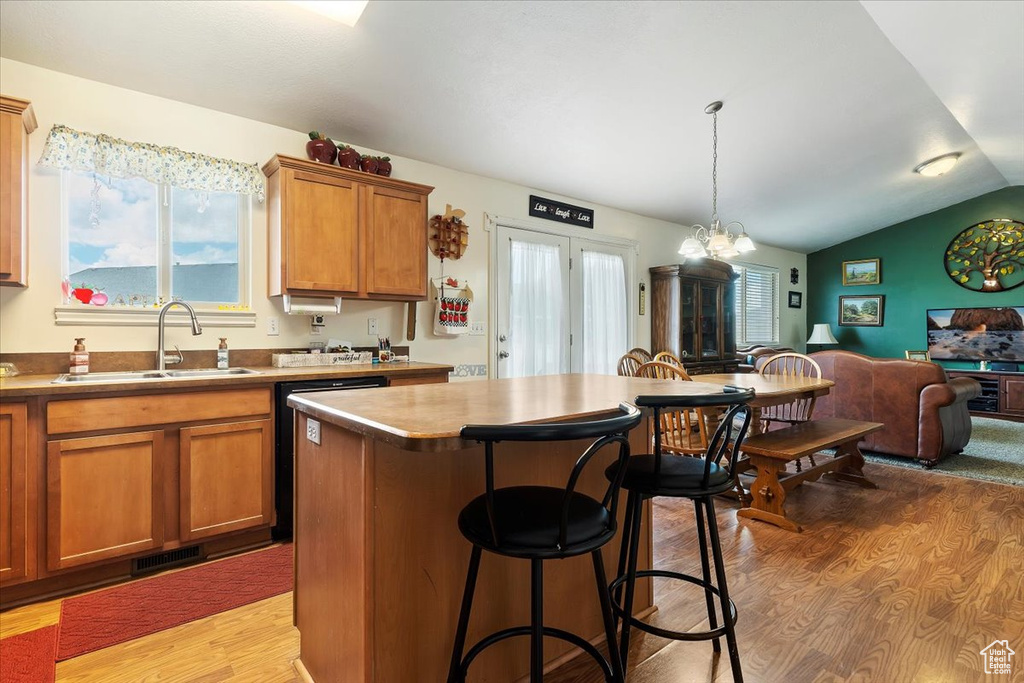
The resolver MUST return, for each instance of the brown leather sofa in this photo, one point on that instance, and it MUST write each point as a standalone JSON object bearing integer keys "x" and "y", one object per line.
{"x": 924, "y": 412}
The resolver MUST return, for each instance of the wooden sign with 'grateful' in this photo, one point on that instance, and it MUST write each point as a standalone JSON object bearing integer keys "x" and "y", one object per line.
{"x": 561, "y": 212}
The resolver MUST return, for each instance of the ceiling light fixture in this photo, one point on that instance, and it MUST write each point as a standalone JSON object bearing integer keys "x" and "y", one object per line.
{"x": 938, "y": 165}
{"x": 345, "y": 11}
{"x": 716, "y": 241}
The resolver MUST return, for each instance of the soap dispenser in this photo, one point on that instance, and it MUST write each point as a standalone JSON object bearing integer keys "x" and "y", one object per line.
{"x": 79, "y": 364}
{"x": 222, "y": 354}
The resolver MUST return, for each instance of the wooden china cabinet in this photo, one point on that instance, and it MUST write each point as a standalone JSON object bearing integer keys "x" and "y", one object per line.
{"x": 693, "y": 315}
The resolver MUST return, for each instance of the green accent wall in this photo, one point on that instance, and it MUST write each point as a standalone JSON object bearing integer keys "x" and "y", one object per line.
{"x": 913, "y": 276}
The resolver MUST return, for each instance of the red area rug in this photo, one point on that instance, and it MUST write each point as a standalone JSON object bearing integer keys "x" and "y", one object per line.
{"x": 112, "y": 616}
{"x": 29, "y": 657}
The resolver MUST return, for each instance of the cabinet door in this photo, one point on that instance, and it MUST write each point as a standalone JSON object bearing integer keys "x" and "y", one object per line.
{"x": 710, "y": 322}
{"x": 321, "y": 233}
{"x": 396, "y": 252}
{"x": 14, "y": 554}
{"x": 12, "y": 198}
{"x": 103, "y": 498}
{"x": 1012, "y": 400}
{"x": 226, "y": 478}
{"x": 688, "y": 315}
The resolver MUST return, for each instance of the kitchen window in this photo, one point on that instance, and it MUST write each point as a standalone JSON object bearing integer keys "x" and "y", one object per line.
{"x": 133, "y": 243}
{"x": 757, "y": 305}
{"x": 143, "y": 225}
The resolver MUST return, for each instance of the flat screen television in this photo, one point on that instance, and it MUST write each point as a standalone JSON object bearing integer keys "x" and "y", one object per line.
{"x": 977, "y": 333}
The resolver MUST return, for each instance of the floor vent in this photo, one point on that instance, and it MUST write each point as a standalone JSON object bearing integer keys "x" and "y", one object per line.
{"x": 173, "y": 558}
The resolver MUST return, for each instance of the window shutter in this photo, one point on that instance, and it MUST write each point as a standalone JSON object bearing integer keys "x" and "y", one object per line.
{"x": 757, "y": 305}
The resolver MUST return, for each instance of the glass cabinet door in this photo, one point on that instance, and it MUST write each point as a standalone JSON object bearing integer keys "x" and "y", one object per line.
{"x": 709, "y": 322}
{"x": 688, "y": 320}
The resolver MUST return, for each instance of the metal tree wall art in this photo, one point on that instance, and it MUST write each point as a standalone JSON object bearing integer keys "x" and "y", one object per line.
{"x": 988, "y": 256}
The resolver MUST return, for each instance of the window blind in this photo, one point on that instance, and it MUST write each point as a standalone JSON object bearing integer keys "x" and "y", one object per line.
{"x": 757, "y": 305}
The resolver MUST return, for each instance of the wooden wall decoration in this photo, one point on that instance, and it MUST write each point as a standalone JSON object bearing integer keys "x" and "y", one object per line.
{"x": 988, "y": 256}
{"x": 448, "y": 235}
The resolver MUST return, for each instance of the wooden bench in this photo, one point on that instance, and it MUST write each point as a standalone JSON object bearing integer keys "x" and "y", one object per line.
{"x": 771, "y": 451}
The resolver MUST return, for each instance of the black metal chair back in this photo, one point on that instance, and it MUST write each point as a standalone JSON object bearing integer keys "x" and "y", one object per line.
{"x": 738, "y": 399}
{"x": 612, "y": 430}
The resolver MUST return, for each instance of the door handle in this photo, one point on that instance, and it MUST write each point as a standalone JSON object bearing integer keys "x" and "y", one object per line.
{"x": 502, "y": 338}
{"x": 502, "y": 354}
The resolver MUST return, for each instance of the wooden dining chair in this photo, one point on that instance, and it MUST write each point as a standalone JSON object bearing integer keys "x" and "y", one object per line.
{"x": 683, "y": 431}
{"x": 629, "y": 364}
{"x": 668, "y": 357}
{"x": 800, "y": 409}
{"x": 642, "y": 354}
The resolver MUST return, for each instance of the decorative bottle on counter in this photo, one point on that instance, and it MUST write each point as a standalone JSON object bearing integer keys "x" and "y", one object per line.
{"x": 222, "y": 354}
{"x": 79, "y": 358}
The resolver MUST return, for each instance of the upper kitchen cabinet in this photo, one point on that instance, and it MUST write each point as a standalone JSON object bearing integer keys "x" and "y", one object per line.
{"x": 17, "y": 120}
{"x": 338, "y": 232}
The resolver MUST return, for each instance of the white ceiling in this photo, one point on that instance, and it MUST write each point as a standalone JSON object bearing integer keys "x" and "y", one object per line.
{"x": 824, "y": 118}
{"x": 969, "y": 54}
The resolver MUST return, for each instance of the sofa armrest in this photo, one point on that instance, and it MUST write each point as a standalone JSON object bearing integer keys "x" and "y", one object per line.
{"x": 944, "y": 424}
{"x": 959, "y": 390}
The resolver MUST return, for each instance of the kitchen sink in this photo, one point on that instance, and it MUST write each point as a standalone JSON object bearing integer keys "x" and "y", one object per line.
{"x": 139, "y": 375}
{"x": 210, "y": 372}
{"x": 110, "y": 377}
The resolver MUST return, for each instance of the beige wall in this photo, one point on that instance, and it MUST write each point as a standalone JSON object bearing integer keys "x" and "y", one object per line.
{"x": 26, "y": 316}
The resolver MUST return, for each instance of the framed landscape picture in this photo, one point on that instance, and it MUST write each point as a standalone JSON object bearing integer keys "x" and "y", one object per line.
{"x": 918, "y": 355}
{"x": 796, "y": 299}
{"x": 864, "y": 272}
{"x": 862, "y": 311}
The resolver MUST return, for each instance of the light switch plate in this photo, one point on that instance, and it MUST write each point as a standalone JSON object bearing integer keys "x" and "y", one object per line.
{"x": 477, "y": 328}
{"x": 273, "y": 327}
{"x": 371, "y": 326}
{"x": 313, "y": 431}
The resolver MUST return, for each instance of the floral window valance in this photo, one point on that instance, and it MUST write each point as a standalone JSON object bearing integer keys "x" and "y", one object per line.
{"x": 75, "y": 150}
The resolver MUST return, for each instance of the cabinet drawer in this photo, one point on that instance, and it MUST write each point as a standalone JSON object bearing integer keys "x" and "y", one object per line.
{"x": 119, "y": 412}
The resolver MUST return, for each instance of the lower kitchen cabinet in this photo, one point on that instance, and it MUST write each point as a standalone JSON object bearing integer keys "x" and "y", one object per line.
{"x": 104, "y": 497}
{"x": 16, "y": 550}
{"x": 226, "y": 478}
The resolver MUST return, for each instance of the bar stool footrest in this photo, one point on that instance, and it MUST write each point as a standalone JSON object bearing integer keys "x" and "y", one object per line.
{"x": 665, "y": 633}
{"x": 549, "y": 632}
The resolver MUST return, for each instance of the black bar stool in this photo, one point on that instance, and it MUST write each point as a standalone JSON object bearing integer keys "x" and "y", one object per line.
{"x": 540, "y": 523}
{"x": 700, "y": 479}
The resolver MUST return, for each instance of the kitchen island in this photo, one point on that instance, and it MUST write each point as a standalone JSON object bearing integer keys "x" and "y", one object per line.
{"x": 380, "y": 565}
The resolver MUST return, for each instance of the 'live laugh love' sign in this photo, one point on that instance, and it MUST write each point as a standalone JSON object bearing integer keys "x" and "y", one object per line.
{"x": 561, "y": 212}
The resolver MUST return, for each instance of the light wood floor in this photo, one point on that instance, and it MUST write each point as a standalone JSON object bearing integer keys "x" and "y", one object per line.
{"x": 905, "y": 583}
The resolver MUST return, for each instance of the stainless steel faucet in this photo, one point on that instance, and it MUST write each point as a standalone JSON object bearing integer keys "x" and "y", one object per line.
{"x": 162, "y": 358}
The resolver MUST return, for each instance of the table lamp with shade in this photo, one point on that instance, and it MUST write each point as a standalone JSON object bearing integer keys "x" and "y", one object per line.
{"x": 821, "y": 335}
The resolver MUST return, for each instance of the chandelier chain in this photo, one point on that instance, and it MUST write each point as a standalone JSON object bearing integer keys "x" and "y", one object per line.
{"x": 714, "y": 169}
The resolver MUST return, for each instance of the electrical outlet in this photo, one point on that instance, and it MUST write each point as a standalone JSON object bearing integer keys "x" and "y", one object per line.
{"x": 313, "y": 431}
{"x": 273, "y": 327}
{"x": 477, "y": 328}
{"x": 371, "y": 326}
{"x": 316, "y": 330}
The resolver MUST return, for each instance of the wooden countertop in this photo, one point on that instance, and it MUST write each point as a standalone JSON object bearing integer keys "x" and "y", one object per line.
{"x": 429, "y": 417}
{"x": 41, "y": 385}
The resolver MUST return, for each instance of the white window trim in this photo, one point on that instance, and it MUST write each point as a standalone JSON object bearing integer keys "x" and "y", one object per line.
{"x": 208, "y": 313}
{"x": 490, "y": 226}
{"x": 741, "y": 320}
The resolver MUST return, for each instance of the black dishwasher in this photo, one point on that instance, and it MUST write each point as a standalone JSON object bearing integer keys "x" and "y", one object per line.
{"x": 284, "y": 446}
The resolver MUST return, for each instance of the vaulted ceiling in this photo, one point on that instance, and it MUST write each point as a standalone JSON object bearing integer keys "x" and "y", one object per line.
{"x": 828, "y": 105}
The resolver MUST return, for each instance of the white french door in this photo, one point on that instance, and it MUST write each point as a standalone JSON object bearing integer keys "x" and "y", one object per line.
{"x": 562, "y": 303}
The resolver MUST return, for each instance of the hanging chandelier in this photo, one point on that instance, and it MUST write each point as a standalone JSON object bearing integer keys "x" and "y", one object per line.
{"x": 715, "y": 241}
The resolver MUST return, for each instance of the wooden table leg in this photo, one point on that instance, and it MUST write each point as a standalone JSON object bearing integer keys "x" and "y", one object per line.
{"x": 743, "y": 464}
{"x": 768, "y": 497}
{"x": 853, "y": 470}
